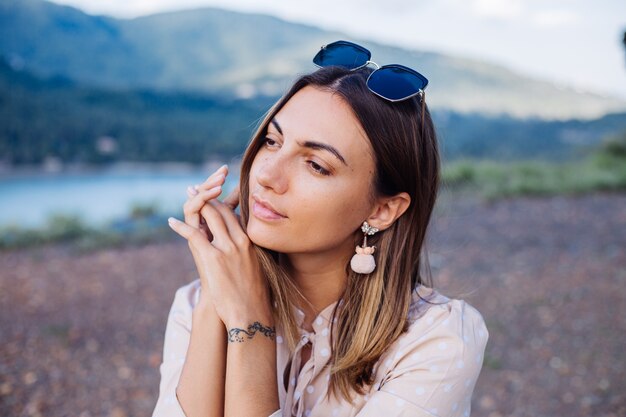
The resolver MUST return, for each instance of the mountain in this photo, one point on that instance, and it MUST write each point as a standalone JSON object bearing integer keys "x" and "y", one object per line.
{"x": 58, "y": 119}
{"x": 247, "y": 55}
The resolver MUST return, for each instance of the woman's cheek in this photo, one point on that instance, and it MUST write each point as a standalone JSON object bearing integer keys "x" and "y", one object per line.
{"x": 336, "y": 206}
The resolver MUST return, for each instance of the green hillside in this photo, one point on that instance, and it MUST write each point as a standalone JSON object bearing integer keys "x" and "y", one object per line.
{"x": 61, "y": 119}
{"x": 507, "y": 139}
{"x": 213, "y": 50}
{"x": 72, "y": 123}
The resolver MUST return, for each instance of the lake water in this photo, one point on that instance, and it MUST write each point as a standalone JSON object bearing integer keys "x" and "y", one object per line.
{"x": 27, "y": 200}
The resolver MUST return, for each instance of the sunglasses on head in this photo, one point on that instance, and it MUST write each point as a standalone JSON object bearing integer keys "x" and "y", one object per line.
{"x": 393, "y": 82}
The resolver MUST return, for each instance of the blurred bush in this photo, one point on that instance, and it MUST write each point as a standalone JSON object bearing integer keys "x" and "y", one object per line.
{"x": 143, "y": 210}
{"x": 143, "y": 224}
{"x": 604, "y": 169}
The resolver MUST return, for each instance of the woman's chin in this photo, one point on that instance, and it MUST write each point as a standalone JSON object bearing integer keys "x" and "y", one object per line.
{"x": 261, "y": 236}
{"x": 268, "y": 245}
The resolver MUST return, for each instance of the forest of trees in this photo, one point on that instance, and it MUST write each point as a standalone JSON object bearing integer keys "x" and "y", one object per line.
{"x": 58, "y": 118}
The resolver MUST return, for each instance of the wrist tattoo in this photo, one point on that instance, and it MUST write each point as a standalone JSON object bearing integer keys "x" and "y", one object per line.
{"x": 235, "y": 334}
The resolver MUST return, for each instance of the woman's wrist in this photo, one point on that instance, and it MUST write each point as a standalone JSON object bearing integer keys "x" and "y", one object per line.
{"x": 205, "y": 310}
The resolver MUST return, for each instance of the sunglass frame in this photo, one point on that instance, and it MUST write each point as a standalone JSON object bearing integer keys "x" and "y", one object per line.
{"x": 360, "y": 48}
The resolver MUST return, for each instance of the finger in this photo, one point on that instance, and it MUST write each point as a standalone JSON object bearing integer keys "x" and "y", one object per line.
{"x": 190, "y": 233}
{"x": 215, "y": 222}
{"x": 221, "y": 172}
{"x": 204, "y": 228}
{"x": 191, "y": 191}
{"x": 223, "y": 169}
{"x": 237, "y": 234}
{"x": 211, "y": 182}
{"x": 233, "y": 198}
{"x": 191, "y": 208}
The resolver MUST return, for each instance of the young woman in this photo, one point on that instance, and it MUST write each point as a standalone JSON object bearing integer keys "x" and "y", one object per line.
{"x": 312, "y": 302}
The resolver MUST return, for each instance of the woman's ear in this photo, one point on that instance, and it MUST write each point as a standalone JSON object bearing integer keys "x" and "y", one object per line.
{"x": 388, "y": 209}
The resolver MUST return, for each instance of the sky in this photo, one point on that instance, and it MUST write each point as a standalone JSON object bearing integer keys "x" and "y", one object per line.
{"x": 573, "y": 43}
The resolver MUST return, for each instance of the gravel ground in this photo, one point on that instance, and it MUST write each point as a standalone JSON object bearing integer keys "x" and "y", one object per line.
{"x": 82, "y": 333}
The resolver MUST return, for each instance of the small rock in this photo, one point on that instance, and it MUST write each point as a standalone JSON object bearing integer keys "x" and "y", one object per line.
{"x": 568, "y": 398}
{"x": 487, "y": 402}
{"x": 29, "y": 378}
{"x": 124, "y": 372}
{"x": 118, "y": 412}
{"x": 6, "y": 388}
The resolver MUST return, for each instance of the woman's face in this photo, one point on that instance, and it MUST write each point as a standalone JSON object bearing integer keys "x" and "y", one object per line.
{"x": 315, "y": 168}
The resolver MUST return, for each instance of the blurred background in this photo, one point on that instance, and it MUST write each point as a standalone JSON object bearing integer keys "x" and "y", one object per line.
{"x": 110, "y": 109}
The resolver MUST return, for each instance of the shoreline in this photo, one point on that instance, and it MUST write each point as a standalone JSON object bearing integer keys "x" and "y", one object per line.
{"x": 54, "y": 169}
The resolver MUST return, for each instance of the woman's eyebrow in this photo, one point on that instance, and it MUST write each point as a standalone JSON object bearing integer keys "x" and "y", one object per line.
{"x": 314, "y": 145}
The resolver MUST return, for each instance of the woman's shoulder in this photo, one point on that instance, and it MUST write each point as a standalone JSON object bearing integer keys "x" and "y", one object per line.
{"x": 442, "y": 331}
{"x": 431, "y": 312}
{"x": 442, "y": 351}
{"x": 430, "y": 308}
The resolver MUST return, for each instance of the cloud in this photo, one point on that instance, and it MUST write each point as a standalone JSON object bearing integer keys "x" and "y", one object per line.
{"x": 555, "y": 18}
{"x": 498, "y": 9}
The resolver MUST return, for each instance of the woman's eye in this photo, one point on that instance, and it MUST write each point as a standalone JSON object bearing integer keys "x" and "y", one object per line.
{"x": 269, "y": 142}
{"x": 266, "y": 141}
{"x": 317, "y": 168}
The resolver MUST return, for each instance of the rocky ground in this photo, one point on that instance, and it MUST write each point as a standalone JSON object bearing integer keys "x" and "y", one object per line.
{"x": 81, "y": 333}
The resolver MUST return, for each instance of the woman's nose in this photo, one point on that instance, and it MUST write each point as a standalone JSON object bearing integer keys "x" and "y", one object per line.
{"x": 272, "y": 173}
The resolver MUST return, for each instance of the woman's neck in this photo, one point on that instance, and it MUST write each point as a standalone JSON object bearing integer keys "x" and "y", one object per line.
{"x": 320, "y": 276}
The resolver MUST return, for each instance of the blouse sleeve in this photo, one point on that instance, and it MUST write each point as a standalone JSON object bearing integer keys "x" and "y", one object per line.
{"x": 435, "y": 368}
{"x": 177, "y": 336}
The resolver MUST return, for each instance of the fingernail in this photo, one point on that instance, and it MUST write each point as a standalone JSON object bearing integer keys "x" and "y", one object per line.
{"x": 216, "y": 188}
{"x": 192, "y": 190}
{"x": 223, "y": 166}
{"x": 171, "y": 220}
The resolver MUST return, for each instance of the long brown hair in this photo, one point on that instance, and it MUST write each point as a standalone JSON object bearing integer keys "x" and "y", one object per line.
{"x": 375, "y": 306}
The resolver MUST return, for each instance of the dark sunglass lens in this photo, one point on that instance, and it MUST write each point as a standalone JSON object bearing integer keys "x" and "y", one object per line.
{"x": 342, "y": 54}
{"x": 396, "y": 82}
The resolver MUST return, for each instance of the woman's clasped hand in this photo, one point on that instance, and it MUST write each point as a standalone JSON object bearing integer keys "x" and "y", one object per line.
{"x": 225, "y": 258}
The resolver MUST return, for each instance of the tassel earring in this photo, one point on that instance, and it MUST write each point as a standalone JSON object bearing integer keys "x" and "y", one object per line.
{"x": 363, "y": 262}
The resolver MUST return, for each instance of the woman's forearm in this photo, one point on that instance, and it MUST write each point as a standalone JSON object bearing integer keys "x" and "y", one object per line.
{"x": 201, "y": 387}
{"x": 251, "y": 387}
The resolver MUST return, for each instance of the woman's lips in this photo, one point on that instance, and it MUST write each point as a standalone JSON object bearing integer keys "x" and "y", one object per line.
{"x": 265, "y": 213}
